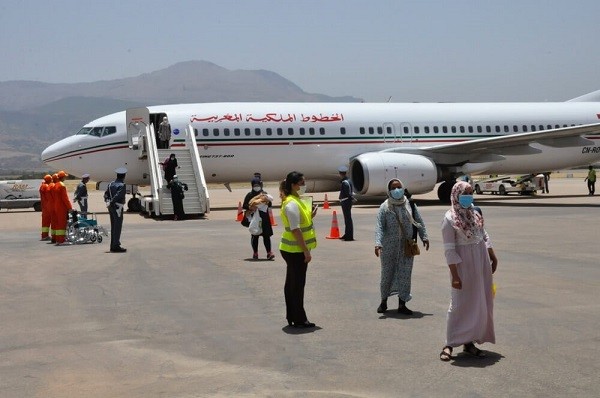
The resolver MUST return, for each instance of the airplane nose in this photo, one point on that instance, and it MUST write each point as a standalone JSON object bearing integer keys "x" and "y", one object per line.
{"x": 54, "y": 156}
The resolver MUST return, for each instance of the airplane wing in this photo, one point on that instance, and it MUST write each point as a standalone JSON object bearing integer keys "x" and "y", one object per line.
{"x": 492, "y": 149}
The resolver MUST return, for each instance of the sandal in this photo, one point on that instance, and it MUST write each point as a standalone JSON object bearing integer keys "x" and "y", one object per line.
{"x": 446, "y": 354}
{"x": 472, "y": 350}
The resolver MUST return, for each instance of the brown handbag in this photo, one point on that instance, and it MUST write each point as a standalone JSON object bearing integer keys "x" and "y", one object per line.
{"x": 411, "y": 246}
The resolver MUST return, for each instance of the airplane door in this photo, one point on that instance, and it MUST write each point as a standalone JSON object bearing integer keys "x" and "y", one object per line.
{"x": 406, "y": 132}
{"x": 390, "y": 133}
{"x": 136, "y": 121}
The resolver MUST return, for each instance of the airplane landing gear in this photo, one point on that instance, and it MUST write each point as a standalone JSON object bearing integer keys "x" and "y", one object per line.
{"x": 134, "y": 205}
{"x": 444, "y": 191}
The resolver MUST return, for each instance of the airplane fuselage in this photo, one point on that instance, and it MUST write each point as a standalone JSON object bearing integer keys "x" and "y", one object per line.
{"x": 237, "y": 139}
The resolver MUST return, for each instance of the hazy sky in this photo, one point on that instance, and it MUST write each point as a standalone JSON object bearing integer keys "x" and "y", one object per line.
{"x": 452, "y": 50}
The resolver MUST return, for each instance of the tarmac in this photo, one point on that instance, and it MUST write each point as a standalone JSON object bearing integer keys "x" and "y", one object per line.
{"x": 187, "y": 313}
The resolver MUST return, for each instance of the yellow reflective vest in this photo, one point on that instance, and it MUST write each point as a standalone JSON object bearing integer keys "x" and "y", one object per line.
{"x": 288, "y": 240}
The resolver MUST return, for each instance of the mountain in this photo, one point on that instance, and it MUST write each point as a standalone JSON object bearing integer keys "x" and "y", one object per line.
{"x": 35, "y": 114}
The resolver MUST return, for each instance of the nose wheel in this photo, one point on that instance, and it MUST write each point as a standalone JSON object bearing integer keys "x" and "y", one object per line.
{"x": 444, "y": 191}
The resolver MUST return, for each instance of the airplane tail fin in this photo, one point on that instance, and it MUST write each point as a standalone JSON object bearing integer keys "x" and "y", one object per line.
{"x": 594, "y": 96}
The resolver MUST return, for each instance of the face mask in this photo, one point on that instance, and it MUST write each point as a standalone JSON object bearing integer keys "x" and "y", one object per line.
{"x": 397, "y": 193}
{"x": 256, "y": 189}
{"x": 465, "y": 201}
{"x": 302, "y": 190}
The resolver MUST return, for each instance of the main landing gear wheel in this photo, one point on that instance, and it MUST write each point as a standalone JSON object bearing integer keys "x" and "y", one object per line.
{"x": 134, "y": 205}
{"x": 444, "y": 191}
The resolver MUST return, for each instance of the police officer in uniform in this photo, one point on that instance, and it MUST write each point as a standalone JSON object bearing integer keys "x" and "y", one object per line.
{"x": 114, "y": 197}
{"x": 346, "y": 199}
{"x": 81, "y": 194}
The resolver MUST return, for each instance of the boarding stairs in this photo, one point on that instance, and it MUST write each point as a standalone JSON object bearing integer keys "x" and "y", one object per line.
{"x": 159, "y": 203}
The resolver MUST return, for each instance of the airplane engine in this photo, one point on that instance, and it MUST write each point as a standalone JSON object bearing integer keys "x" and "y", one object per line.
{"x": 370, "y": 172}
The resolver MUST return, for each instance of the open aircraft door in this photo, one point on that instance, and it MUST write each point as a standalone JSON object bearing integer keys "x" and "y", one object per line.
{"x": 137, "y": 120}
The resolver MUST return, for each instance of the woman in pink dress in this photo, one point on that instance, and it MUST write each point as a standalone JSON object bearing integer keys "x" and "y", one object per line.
{"x": 471, "y": 261}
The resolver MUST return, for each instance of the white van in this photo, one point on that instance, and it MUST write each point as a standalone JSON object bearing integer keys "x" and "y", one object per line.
{"x": 20, "y": 194}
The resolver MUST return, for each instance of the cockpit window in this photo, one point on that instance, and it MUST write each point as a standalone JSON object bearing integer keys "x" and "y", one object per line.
{"x": 108, "y": 130}
{"x": 84, "y": 131}
{"x": 98, "y": 131}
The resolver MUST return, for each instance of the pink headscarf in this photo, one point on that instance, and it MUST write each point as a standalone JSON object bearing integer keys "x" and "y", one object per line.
{"x": 466, "y": 220}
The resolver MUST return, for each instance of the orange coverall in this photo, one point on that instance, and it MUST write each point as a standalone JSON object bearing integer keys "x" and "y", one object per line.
{"x": 46, "y": 209}
{"x": 62, "y": 205}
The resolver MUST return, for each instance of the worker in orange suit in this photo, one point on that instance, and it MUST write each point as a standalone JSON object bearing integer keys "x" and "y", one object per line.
{"x": 62, "y": 205}
{"x": 46, "y": 206}
{"x": 52, "y": 207}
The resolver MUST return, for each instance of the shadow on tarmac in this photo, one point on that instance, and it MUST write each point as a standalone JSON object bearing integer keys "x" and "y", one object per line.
{"x": 468, "y": 361}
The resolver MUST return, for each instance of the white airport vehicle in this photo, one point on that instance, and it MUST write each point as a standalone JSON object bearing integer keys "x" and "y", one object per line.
{"x": 505, "y": 185}
{"x": 20, "y": 194}
{"x": 423, "y": 144}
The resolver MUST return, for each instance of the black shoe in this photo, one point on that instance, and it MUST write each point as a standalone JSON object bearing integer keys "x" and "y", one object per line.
{"x": 348, "y": 239}
{"x": 118, "y": 250}
{"x": 343, "y": 237}
{"x": 382, "y": 307}
{"x": 305, "y": 324}
{"x": 404, "y": 310}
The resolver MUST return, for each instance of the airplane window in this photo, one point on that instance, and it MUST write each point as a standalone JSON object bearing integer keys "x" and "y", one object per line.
{"x": 506, "y": 129}
{"x": 256, "y": 131}
{"x": 226, "y": 132}
{"x": 416, "y": 129}
{"x": 279, "y": 131}
{"x": 470, "y": 128}
{"x": 436, "y": 129}
{"x": 196, "y": 132}
{"x": 497, "y": 129}
{"x": 236, "y": 132}
{"x": 479, "y": 129}
{"x": 362, "y": 130}
{"x": 380, "y": 130}
{"x": 462, "y": 129}
{"x": 311, "y": 130}
{"x": 426, "y": 129}
{"x": 96, "y": 131}
{"x": 541, "y": 127}
{"x": 549, "y": 127}
{"x": 453, "y": 128}
{"x": 246, "y": 131}
{"x": 205, "y": 132}
{"x": 515, "y": 129}
{"x": 269, "y": 131}
{"x": 557, "y": 126}
{"x": 215, "y": 132}
{"x": 444, "y": 129}
{"x": 108, "y": 130}
{"x": 322, "y": 130}
{"x": 302, "y": 131}
{"x": 524, "y": 128}
{"x": 290, "y": 131}
{"x": 388, "y": 130}
{"x": 532, "y": 127}
{"x": 84, "y": 131}
{"x": 405, "y": 130}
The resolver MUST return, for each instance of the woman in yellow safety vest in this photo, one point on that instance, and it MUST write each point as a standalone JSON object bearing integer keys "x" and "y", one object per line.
{"x": 297, "y": 240}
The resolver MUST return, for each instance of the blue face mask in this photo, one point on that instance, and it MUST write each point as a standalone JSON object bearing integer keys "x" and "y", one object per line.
{"x": 397, "y": 193}
{"x": 465, "y": 201}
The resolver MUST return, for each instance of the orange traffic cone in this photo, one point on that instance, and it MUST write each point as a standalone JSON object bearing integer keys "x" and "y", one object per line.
{"x": 271, "y": 217}
{"x": 326, "y": 203}
{"x": 334, "y": 233}
{"x": 240, "y": 214}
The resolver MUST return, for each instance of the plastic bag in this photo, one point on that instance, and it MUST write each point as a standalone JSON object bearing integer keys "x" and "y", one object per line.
{"x": 255, "y": 226}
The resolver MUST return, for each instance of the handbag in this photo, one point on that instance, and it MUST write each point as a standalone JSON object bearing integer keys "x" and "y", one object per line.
{"x": 411, "y": 246}
{"x": 255, "y": 226}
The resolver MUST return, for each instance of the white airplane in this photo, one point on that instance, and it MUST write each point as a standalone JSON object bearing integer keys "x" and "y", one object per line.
{"x": 423, "y": 144}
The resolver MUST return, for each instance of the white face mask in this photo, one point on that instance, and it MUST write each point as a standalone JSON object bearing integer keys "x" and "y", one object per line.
{"x": 302, "y": 190}
{"x": 256, "y": 189}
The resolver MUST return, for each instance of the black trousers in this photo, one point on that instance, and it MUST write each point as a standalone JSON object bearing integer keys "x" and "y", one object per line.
{"x": 116, "y": 225}
{"x": 591, "y": 187}
{"x": 178, "y": 207}
{"x": 254, "y": 242}
{"x": 295, "y": 280}
{"x": 348, "y": 225}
